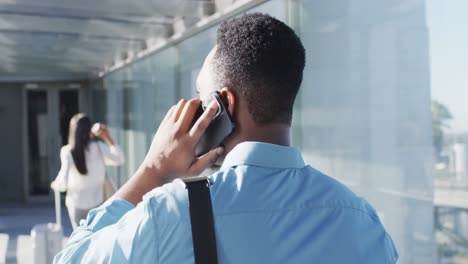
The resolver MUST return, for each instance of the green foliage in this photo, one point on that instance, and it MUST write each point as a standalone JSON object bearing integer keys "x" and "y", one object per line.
{"x": 440, "y": 118}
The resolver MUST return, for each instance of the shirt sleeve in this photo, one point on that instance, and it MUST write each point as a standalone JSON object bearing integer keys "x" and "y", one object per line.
{"x": 66, "y": 160}
{"x": 112, "y": 155}
{"x": 116, "y": 232}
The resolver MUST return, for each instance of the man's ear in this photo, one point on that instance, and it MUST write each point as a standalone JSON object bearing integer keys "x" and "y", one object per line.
{"x": 229, "y": 99}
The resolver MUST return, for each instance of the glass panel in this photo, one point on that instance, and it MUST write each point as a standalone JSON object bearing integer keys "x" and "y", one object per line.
{"x": 448, "y": 37}
{"x": 113, "y": 86}
{"x": 38, "y": 142}
{"x": 159, "y": 88}
{"x": 134, "y": 137}
{"x": 148, "y": 92}
{"x": 193, "y": 52}
{"x": 365, "y": 110}
{"x": 275, "y": 8}
{"x": 99, "y": 103}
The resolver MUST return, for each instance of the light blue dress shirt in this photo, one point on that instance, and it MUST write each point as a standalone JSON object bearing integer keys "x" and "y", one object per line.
{"x": 269, "y": 207}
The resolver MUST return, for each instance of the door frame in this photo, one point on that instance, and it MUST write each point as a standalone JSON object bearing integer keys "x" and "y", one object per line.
{"x": 52, "y": 90}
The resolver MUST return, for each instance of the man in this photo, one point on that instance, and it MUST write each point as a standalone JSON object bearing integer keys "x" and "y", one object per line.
{"x": 268, "y": 206}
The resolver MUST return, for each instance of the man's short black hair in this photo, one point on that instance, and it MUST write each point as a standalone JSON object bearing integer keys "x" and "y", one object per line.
{"x": 262, "y": 60}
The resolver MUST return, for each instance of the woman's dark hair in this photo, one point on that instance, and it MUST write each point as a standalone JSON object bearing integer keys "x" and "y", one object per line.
{"x": 78, "y": 139}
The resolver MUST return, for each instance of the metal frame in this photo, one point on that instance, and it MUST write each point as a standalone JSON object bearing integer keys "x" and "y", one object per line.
{"x": 39, "y": 78}
{"x": 52, "y": 89}
{"x": 206, "y": 23}
{"x": 110, "y": 19}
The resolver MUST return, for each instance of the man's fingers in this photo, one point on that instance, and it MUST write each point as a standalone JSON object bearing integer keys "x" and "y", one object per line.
{"x": 186, "y": 118}
{"x": 206, "y": 161}
{"x": 204, "y": 121}
{"x": 178, "y": 110}
{"x": 169, "y": 113}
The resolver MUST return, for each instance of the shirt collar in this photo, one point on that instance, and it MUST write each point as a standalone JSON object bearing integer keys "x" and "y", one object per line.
{"x": 263, "y": 155}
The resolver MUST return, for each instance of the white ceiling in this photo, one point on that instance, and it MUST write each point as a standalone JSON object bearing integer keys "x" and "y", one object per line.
{"x": 78, "y": 38}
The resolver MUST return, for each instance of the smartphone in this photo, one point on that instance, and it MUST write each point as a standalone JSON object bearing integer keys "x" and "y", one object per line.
{"x": 220, "y": 127}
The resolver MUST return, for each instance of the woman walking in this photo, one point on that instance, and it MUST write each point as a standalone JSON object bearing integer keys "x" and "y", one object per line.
{"x": 83, "y": 167}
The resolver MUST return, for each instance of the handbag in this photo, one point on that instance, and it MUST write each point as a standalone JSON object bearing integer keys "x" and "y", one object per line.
{"x": 109, "y": 187}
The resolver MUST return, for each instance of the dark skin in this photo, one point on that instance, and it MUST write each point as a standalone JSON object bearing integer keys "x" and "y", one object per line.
{"x": 247, "y": 129}
{"x": 172, "y": 153}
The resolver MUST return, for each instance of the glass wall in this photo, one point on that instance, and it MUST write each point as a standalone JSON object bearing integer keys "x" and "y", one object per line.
{"x": 114, "y": 102}
{"x": 135, "y": 100}
{"x": 448, "y": 37}
{"x": 365, "y": 110}
{"x": 363, "y": 114}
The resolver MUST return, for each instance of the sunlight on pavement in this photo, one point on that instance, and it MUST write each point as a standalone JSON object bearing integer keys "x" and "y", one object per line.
{"x": 24, "y": 250}
{"x": 3, "y": 247}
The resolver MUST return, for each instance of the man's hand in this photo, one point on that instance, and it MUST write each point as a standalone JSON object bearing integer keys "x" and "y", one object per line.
{"x": 172, "y": 152}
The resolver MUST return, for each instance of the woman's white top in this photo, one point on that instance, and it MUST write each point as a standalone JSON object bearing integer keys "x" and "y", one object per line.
{"x": 86, "y": 191}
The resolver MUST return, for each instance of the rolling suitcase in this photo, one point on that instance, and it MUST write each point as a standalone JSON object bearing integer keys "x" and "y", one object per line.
{"x": 47, "y": 239}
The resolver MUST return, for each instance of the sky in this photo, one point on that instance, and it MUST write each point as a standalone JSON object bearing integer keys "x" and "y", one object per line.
{"x": 447, "y": 22}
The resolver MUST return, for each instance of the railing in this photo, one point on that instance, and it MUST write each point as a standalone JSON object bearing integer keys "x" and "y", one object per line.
{"x": 450, "y": 189}
{"x": 450, "y": 180}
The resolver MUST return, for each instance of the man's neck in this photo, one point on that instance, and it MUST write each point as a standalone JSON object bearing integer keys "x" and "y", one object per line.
{"x": 278, "y": 134}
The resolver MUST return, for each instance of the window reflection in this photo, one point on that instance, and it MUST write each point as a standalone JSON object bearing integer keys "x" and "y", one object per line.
{"x": 449, "y": 62}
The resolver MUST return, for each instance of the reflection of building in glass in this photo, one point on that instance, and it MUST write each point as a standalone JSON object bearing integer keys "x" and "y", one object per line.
{"x": 365, "y": 111}
{"x": 453, "y": 161}
{"x": 457, "y": 160}
{"x": 451, "y": 196}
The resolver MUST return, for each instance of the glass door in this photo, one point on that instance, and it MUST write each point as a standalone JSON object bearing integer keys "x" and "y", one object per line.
{"x": 37, "y": 122}
{"x": 48, "y": 114}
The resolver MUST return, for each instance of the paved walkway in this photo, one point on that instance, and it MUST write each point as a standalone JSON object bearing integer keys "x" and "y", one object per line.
{"x": 16, "y": 222}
